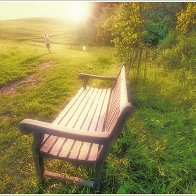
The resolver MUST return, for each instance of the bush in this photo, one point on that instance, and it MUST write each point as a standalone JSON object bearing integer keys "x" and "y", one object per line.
{"x": 182, "y": 54}
{"x": 169, "y": 40}
{"x": 170, "y": 57}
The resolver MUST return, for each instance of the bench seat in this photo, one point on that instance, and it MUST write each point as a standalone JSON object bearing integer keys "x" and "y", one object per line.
{"x": 86, "y": 111}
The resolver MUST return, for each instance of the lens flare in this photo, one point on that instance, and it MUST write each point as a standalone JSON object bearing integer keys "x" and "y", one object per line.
{"x": 77, "y": 11}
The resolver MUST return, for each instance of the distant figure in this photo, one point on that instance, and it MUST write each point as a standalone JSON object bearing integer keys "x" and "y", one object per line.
{"x": 47, "y": 42}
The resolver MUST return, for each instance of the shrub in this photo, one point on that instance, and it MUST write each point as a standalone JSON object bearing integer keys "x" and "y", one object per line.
{"x": 169, "y": 40}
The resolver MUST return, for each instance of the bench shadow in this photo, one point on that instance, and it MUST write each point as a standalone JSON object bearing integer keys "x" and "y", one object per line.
{"x": 143, "y": 168}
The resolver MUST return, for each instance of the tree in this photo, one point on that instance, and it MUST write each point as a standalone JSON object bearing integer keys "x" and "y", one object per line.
{"x": 105, "y": 24}
{"x": 186, "y": 19}
{"x": 186, "y": 28}
{"x": 182, "y": 54}
{"x": 129, "y": 30}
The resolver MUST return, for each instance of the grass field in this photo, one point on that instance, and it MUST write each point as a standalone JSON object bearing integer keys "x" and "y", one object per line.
{"x": 155, "y": 152}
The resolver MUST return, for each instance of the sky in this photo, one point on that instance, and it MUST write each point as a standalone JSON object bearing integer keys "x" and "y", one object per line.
{"x": 15, "y": 10}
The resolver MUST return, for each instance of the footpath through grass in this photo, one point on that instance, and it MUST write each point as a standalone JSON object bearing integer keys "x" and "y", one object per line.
{"x": 155, "y": 151}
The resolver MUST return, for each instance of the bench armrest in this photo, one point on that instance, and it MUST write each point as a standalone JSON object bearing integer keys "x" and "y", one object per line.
{"x": 85, "y": 76}
{"x": 28, "y": 125}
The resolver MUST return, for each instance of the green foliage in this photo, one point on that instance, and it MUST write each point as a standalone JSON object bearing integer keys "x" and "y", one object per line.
{"x": 128, "y": 28}
{"x": 169, "y": 40}
{"x": 104, "y": 26}
{"x": 103, "y": 61}
{"x": 157, "y": 24}
{"x": 155, "y": 32}
{"x": 170, "y": 57}
{"x": 186, "y": 19}
{"x": 180, "y": 55}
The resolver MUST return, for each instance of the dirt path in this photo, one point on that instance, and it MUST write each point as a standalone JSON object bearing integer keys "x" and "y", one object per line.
{"x": 30, "y": 80}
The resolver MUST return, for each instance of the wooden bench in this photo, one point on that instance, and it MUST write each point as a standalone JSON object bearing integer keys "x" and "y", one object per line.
{"x": 84, "y": 131}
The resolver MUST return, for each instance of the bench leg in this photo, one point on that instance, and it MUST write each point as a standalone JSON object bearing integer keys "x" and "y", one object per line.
{"x": 38, "y": 160}
{"x": 98, "y": 172}
{"x": 39, "y": 166}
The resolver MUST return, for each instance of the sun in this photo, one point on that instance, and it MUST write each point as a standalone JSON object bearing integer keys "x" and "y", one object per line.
{"x": 77, "y": 11}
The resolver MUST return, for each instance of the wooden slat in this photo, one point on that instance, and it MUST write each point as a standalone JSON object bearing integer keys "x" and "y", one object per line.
{"x": 75, "y": 150}
{"x": 97, "y": 110}
{"x": 91, "y": 112}
{"x": 48, "y": 144}
{"x": 73, "y": 110}
{"x": 113, "y": 118}
{"x": 123, "y": 93}
{"x": 57, "y": 146}
{"x": 103, "y": 112}
{"x": 45, "y": 137}
{"x": 86, "y": 110}
{"x": 114, "y": 105}
{"x": 84, "y": 151}
{"x": 95, "y": 147}
{"x": 80, "y": 113}
{"x": 85, "y": 147}
{"x": 94, "y": 122}
{"x": 84, "y": 154}
{"x": 93, "y": 152}
{"x": 67, "y": 108}
{"x": 71, "y": 179}
{"x": 66, "y": 148}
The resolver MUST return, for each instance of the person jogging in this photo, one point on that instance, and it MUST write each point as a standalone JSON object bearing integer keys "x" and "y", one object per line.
{"x": 47, "y": 42}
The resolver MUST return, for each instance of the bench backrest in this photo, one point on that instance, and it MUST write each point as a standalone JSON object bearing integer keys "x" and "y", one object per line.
{"x": 119, "y": 105}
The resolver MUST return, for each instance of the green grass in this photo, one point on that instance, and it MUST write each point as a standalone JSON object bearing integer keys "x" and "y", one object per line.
{"x": 155, "y": 151}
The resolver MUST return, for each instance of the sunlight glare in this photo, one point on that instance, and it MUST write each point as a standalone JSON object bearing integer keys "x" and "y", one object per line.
{"x": 77, "y": 11}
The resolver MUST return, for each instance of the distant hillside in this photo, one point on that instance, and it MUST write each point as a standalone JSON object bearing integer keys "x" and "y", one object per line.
{"x": 33, "y": 29}
{"x": 47, "y": 20}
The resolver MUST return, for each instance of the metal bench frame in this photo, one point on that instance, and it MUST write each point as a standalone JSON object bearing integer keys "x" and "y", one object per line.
{"x": 118, "y": 108}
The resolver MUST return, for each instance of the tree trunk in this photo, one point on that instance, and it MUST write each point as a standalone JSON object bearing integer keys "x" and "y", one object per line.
{"x": 130, "y": 56}
{"x": 138, "y": 65}
{"x": 145, "y": 65}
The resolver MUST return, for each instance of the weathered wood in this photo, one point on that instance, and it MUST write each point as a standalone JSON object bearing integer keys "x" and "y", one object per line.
{"x": 84, "y": 131}
{"x": 60, "y": 131}
{"x": 78, "y": 114}
{"x": 79, "y": 150}
{"x": 51, "y": 140}
{"x": 103, "y": 112}
{"x": 84, "y": 76}
{"x": 66, "y": 148}
{"x": 89, "y": 117}
{"x": 98, "y": 173}
{"x": 86, "y": 110}
{"x": 71, "y": 179}
{"x": 93, "y": 154}
{"x": 67, "y": 108}
{"x": 84, "y": 151}
{"x": 55, "y": 150}
{"x": 75, "y": 151}
{"x": 96, "y": 115}
{"x": 38, "y": 160}
{"x": 74, "y": 108}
